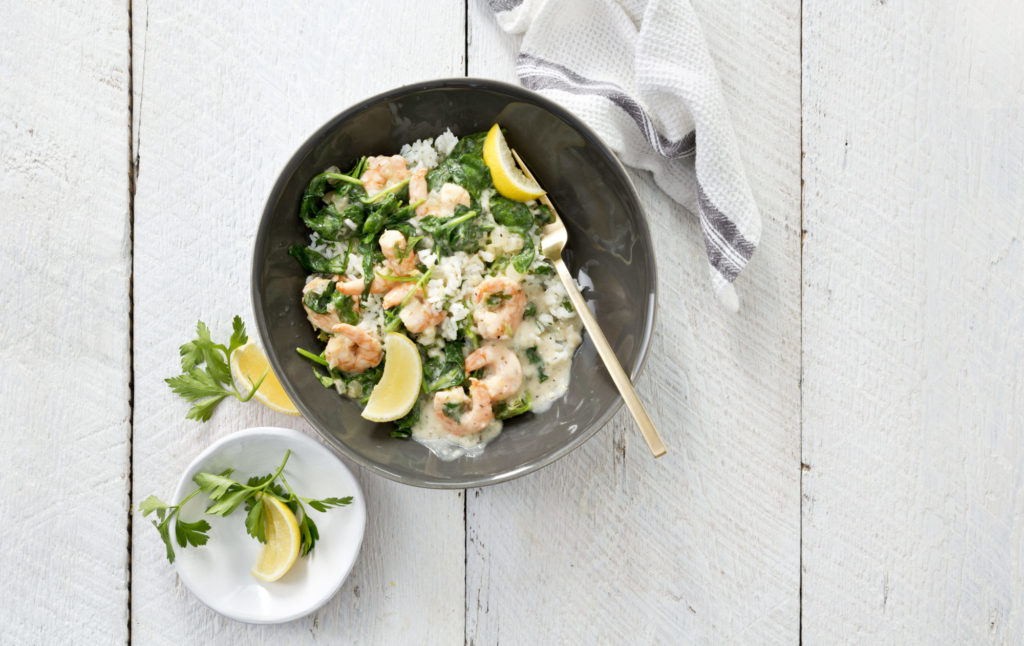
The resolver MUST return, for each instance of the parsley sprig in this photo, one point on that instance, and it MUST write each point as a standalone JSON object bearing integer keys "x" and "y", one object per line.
{"x": 226, "y": 495}
{"x": 205, "y": 377}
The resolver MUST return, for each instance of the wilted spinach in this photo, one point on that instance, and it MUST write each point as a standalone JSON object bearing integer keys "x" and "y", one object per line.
{"x": 440, "y": 373}
{"x": 318, "y": 302}
{"x": 403, "y": 426}
{"x": 510, "y": 213}
{"x": 316, "y": 263}
{"x": 460, "y": 231}
{"x": 514, "y": 407}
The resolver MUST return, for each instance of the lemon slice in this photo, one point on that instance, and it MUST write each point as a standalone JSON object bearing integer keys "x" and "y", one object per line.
{"x": 282, "y": 546}
{"x": 508, "y": 179}
{"x": 247, "y": 364}
{"x": 399, "y": 386}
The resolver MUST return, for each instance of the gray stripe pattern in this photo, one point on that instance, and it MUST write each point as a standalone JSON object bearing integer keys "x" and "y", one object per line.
{"x": 728, "y": 251}
{"x": 539, "y": 74}
{"x": 503, "y": 5}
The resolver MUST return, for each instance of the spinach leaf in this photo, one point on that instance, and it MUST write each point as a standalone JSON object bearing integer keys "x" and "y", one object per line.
{"x": 440, "y": 373}
{"x": 327, "y": 220}
{"x": 368, "y": 380}
{"x": 403, "y": 426}
{"x": 467, "y": 170}
{"x": 371, "y": 255}
{"x": 514, "y": 407}
{"x": 544, "y": 269}
{"x": 543, "y": 215}
{"x": 459, "y": 232}
{"x": 510, "y": 213}
{"x": 535, "y": 358}
{"x": 522, "y": 260}
{"x": 344, "y": 306}
{"x": 319, "y": 302}
{"x": 315, "y": 262}
{"x": 470, "y": 145}
{"x": 453, "y": 411}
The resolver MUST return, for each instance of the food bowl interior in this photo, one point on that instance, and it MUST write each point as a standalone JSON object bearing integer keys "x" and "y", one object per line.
{"x": 609, "y": 253}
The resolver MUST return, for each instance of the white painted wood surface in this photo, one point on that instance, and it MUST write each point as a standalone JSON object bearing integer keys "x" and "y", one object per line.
{"x": 904, "y": 306}
{"x": 913, "y": 347}
{"x": 64, "y": 262}
{"x": 223, "y": 98}
{"x": 608, "y": 546}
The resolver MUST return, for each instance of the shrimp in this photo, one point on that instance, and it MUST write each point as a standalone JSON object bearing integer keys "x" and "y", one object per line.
{"x": 450, "y": 407}
{"x": 500, "y": 303}
{"x": 503, "y": 373}
{"x": 353, "y": 349}
{"x": 440, "y": 203}
{"x": 400, "y": 259}
{"x": 324, "y": 321}
{"x": 356, "y": 286}
{"x": 383, "y": 172}
{"x": 418, "y": 188}
{"x": 417, "y": 315}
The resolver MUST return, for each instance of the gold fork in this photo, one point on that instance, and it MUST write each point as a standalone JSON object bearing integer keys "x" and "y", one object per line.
{"x": 553, "y": 239}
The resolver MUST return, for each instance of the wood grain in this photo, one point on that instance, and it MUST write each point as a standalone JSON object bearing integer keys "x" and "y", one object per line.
{"x": 701, "y": 546}
{"x": 913, "y": 323}
{"x": 64, "y": 394}
{"x": 223, "y": 99}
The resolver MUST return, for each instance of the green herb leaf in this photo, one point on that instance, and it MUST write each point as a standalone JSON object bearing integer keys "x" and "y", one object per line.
{"x": 165, "y": 536}
{"x": 510, "y": 213}
{"x": 193, "y": 534}
{"x": 324, "y": 504}
{"x": 254, "y": 521}
{"x": 238, "y": 335}
{"x": 535, "y": 359}
{"x": 513, "y": 408}
{"x": 229, "y": 502}
{"x": 151, "y": 504}
{"x": 213, "y": 484}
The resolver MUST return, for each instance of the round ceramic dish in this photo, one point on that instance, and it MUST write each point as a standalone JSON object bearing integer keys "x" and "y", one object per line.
{"x": 218, "y": 572}
{"x": 609, "y": 253}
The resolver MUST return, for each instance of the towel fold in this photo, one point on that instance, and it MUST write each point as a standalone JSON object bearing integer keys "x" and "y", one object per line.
{"x": 639, "y": 73}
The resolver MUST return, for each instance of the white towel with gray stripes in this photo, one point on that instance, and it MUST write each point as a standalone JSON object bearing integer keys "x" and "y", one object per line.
{"x": 639, "y": 73}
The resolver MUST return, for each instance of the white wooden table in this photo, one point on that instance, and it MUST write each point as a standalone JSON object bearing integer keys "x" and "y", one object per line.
{"x": 846, "y": 455}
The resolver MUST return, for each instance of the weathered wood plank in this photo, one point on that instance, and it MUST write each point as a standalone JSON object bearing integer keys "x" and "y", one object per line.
{"x": 701, "y": 546}
{"x": 64, "y": 331}
{"x": 224, "y": 97}
{"x": 914, "y": 323}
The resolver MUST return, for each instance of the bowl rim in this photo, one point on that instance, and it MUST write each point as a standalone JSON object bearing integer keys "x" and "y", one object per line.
{"x": 576, "y": 441}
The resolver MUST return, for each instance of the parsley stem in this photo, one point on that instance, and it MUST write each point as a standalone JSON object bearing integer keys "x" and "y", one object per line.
{"x": 451, "y": 224}
{"x": 255, "y": 386}
{"x": 315, "y": 358}
{"x": 419, "y": 284}
{"x": 344, "y": 178}
{"x": 377, "y": 196}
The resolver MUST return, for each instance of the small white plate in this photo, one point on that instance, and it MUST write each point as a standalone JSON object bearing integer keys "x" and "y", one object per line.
{"x": 218, "y": 572}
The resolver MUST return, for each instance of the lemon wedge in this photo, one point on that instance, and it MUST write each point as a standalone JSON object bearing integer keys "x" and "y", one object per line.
{"x": 399, "y": 386}
{"x": 283, "y": 540}
{"x": 247, "y": 365}
{"x": 508, "y": 179}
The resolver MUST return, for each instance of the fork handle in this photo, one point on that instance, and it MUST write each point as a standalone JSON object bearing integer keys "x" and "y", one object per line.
{"x": 611, "y": 362}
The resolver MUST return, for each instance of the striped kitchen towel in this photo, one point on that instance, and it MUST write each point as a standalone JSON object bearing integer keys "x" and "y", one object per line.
{"x": 639, "y": 73}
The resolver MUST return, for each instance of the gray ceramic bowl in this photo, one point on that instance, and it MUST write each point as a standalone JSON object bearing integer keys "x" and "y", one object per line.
{"x": 609, "y": 252}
